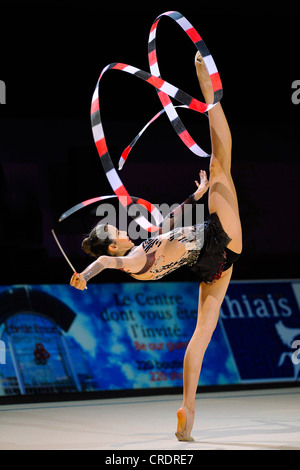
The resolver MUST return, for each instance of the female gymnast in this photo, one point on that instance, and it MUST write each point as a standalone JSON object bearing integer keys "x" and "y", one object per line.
{"x": 211, "y": 260}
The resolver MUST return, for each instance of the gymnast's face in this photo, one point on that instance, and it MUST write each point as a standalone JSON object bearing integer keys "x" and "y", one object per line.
{"x": 121, "y": 242}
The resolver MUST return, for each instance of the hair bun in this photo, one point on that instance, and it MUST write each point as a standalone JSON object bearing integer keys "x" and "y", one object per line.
{"x": 86, "y": 246}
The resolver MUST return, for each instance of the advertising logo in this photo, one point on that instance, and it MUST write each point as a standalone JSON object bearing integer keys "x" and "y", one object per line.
{"x": 287, "y": 336}
{"x": 262, "y": 324}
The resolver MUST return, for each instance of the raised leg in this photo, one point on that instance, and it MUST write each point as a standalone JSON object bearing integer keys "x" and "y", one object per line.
{"x": 222, "y": 196}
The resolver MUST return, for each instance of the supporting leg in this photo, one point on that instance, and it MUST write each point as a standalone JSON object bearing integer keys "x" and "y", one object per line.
{"x": 210, "y": 300}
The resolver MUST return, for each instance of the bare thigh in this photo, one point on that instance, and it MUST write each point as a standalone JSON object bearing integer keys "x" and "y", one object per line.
{"x": 222, "y": 198}
{"x": 211, "y": 297}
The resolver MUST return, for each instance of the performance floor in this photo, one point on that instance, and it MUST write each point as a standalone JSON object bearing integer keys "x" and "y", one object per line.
{"x": 248, "y": 420}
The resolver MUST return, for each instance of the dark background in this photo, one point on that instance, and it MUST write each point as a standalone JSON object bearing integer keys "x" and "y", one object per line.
{"x": 51, "y": 57}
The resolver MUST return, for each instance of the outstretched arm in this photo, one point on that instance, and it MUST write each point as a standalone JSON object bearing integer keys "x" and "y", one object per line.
{"x": 176, "y": 216}
{"x": 132, "y": 263}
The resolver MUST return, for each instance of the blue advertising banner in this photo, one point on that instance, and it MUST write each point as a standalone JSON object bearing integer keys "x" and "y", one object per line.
{"x": 261, "y": 321}
{"x": 56, "y": 339}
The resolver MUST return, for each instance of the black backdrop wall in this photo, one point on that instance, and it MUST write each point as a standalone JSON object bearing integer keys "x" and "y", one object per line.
{"x": 51, "y": 57}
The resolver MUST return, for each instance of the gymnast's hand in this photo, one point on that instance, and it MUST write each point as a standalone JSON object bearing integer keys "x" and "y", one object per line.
{"x": 78, "y": 282}
{"x": 202, "y": 186}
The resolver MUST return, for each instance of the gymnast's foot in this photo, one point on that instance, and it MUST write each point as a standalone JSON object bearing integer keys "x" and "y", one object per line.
{"x": 184, "y": 425}
{"x": 204, "y": 79}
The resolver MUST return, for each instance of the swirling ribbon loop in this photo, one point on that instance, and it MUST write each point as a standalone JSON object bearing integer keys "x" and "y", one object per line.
{"x": 165, "y": 91}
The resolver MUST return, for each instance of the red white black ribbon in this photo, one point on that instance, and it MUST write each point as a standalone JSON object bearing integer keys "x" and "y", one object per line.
{"x": 150, "y": 208}
{"x": 165, "y": 91}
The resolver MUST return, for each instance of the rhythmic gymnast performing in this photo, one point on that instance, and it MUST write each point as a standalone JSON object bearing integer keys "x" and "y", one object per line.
{"x": 211, "y": 258}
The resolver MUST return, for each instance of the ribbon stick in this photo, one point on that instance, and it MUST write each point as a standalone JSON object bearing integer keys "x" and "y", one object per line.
{"x": 64, "y": 254}
{"x": 62, "y": 251}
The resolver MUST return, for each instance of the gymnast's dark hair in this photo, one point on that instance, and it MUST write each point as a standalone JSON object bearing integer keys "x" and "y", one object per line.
{"x": 97, "y": 242}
